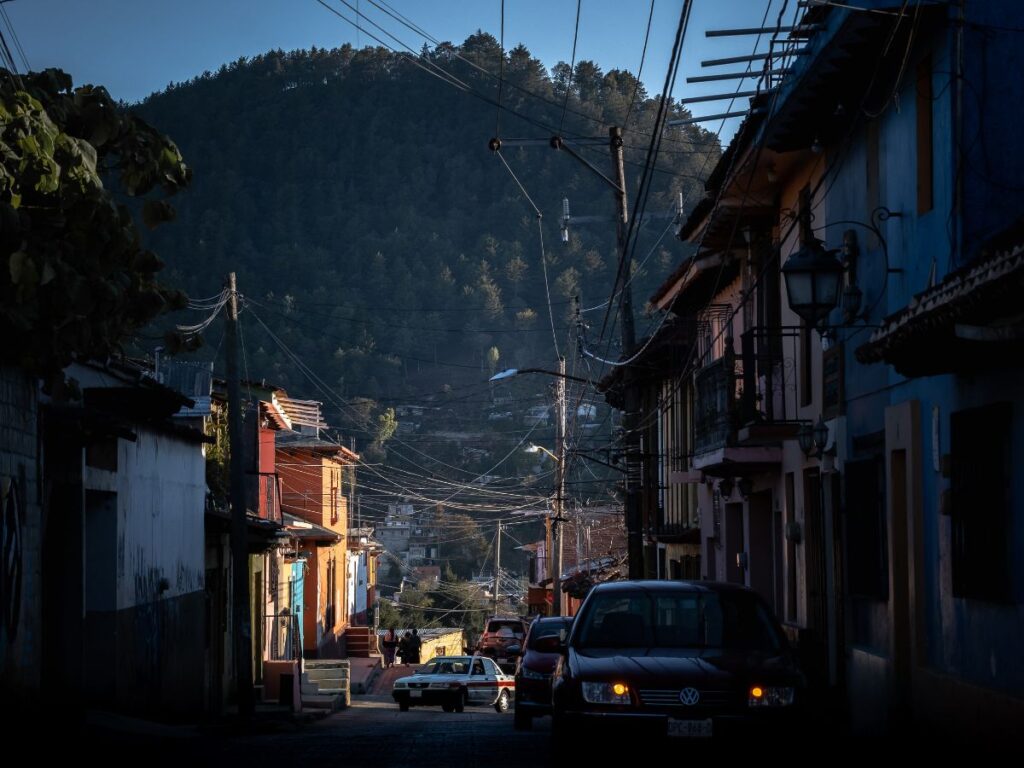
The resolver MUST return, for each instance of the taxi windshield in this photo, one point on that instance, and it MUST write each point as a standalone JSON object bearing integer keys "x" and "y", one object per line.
{"x": 449, "y": 667}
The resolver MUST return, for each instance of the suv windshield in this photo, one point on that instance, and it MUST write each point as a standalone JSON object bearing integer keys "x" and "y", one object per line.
{"x": 505, "y": 628}
{"x": 649, "y": 619}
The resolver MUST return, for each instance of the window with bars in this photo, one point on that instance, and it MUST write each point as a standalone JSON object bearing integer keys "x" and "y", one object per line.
{"x": 982, "y": 526}
{"x": 866, "y": 529}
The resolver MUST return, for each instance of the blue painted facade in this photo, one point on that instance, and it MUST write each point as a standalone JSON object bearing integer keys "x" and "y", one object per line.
{"x": 978, "y": 195}
{"x": 895, "y": 137}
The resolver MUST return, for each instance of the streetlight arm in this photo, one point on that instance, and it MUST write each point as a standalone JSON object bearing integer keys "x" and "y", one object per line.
{"x": 542, "y": 448}
{"x": 516, "y": 371}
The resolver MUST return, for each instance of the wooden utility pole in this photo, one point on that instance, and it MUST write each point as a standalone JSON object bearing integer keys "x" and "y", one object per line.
{"x": 631, "y": 393}
{"x": 497, "y": 567}
{"x": 240, "y": 617}
{"x": 548, "y": 557}
{"x": 556, "y": 580}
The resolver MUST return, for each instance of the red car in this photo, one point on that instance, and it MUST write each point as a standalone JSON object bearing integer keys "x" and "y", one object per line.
{"x": 536, "y": 665}
{"x": 502, "y": 640}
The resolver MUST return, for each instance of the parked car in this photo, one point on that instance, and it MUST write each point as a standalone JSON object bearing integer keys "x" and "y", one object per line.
{"x": 452, "y": 682}
{"x": 502, "y": 640}
{"x": 536, "y": 664}
{"x": 692, "y": 660}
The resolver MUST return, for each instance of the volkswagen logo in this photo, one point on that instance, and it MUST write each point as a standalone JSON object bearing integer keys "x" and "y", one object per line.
{"x": 689, "y": 696}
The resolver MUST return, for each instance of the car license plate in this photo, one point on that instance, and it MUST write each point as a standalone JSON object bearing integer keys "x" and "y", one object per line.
{"x": 690, "y": 729}
{"x": 415, "y": 694}
{"x": 502, "y": 660}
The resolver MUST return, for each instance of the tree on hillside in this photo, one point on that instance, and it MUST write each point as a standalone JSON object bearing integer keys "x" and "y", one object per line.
{"x": 75, "y": 279}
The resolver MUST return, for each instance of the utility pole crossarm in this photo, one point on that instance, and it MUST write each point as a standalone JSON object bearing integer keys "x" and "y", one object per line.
{"x": 557, "y": 142}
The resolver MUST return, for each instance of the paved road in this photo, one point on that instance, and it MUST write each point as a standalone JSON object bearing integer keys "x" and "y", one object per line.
{"x": 372, "y": 732}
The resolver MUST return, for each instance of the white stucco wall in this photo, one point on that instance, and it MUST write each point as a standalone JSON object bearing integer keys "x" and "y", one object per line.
{"x": 161, "y": 487}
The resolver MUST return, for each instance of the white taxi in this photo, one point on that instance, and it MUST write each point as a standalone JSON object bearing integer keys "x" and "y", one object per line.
{"x": 452, "y": 682}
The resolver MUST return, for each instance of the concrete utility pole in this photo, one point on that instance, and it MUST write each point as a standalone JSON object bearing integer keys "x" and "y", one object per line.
{"x": 240, "y": 617}
{"x": 631, "y": 394}
{"x": 556, "y": 579}
{"x": 497, "y": 567}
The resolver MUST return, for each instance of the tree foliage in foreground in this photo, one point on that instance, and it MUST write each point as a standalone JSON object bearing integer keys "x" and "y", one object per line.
{"x": 76, "y": 280}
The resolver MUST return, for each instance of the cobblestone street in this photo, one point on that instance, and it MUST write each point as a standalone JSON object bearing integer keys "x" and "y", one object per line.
{"x": 372, "y": 732}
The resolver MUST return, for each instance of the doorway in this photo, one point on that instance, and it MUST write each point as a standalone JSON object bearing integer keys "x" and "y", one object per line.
{"x": 761, "y": 563}
{"x": 735, "y": 544}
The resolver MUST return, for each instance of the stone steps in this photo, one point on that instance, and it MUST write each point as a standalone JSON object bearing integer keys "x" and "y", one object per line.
{"x": 325, "y": 684}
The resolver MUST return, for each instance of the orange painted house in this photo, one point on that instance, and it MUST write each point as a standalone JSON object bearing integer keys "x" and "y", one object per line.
{"x": 316, "y": 476}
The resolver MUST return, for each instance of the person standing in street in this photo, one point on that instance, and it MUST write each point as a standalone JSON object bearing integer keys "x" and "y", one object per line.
{"x": 403, "y": 648}
{"x": 390, "y": 644}
{"x": 415, "y": 644}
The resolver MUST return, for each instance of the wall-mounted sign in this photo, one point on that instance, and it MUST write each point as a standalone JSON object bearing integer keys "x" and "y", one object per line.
{"x": 832, "y": 382}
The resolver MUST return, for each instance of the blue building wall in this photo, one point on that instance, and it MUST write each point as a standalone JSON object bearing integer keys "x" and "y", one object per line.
{"x": 978, "y": 641}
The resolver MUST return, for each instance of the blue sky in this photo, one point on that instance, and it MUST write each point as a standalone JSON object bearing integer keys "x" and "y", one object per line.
{"x": 135, "y": 47}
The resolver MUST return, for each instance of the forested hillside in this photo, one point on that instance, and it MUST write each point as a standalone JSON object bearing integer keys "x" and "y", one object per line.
{"x": 375, "y": 233}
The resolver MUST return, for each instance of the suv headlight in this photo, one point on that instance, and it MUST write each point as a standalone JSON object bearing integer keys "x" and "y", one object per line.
{"x": 771, "y": 697}
{"x": 606, "y": 693}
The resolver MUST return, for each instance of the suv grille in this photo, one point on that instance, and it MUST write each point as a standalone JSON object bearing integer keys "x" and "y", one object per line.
{"x": 669, "y": 697}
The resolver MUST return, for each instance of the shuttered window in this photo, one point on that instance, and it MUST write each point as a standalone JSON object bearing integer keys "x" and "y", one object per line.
{"x": 867, "y": 540}
{"x": 981, "y": 474}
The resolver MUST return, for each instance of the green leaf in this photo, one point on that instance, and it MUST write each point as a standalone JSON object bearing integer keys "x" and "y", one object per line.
{"x": 156, "y": 212}
{"x": 23, "y": 270}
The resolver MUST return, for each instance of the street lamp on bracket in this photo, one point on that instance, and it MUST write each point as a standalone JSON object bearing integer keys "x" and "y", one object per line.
{"x": 813, "y": 440}
{"x": 813, "y": 278}
{"x": 559, "y": 457}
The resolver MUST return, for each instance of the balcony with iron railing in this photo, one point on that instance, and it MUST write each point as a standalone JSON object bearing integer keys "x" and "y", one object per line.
{"x": 746, "y": 401}
{"x": 768, "y": 385}
{"x": 269, "y": 498}
{"x": 716, "y": 407}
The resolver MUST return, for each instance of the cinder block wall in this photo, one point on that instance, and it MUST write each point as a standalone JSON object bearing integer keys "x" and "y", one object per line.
{"x": 20, "y": 537}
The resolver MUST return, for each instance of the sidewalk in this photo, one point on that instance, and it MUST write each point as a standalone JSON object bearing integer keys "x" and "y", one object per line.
{"x": 386, "y": 679}
{"x": 362, "y": 673}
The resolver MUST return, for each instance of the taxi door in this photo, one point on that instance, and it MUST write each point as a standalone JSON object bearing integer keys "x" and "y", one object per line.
{"x": 483, "y": 685}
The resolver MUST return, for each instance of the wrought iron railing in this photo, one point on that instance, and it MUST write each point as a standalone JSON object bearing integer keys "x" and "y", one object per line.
{"x": 769, "y": 376}
{"x": 283, "y": 640}
{"x": 715, "y": 412}
{"x": 270, "y": 502}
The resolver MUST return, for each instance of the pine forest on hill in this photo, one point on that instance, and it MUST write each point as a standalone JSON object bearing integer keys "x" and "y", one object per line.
{"x": 380, "y": 243}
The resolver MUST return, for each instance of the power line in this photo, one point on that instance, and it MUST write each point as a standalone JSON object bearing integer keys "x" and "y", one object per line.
{"x": 572, "y": 66}
{"x": 639, "y": 72}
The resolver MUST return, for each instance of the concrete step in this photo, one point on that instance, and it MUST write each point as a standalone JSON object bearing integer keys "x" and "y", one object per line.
{"x": 317, "y": 701}
{"x": 324, "y": 673}
{"x": 333, "y": 692}
{"x": 309, "y": 664}
{"x": 313, "y": 685}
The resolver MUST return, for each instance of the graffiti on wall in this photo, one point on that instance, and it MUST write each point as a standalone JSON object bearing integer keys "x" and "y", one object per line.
{"x": 11, "y": 566}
